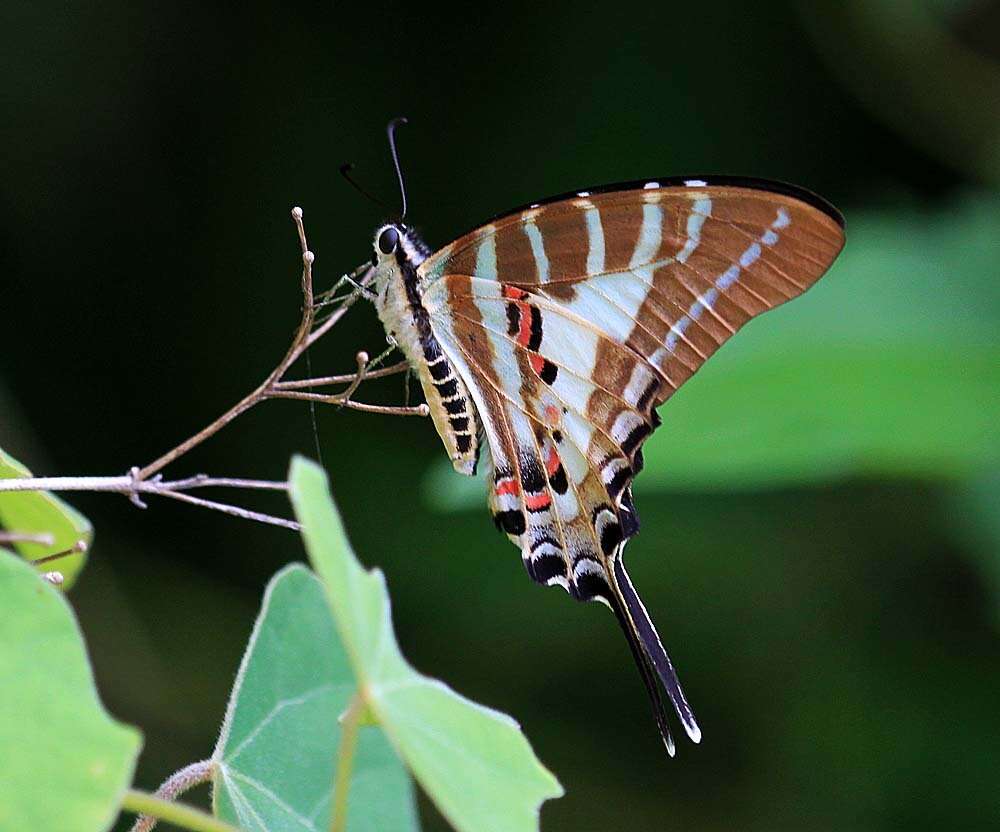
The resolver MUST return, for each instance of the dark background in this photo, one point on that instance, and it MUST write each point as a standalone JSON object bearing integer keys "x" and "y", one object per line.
{"x": 838, "y": 637}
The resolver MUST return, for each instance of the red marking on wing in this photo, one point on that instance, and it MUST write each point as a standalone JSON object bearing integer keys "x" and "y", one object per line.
{"x": 514, "y": 293}
{"x": 552, "y": 461}
{"x": 524, "y": 334}
{"x": 508, "y": 486}
{"x": 537, "y": 501}
{"x": 537, "y": 362}
{"x": 552, "y": 414}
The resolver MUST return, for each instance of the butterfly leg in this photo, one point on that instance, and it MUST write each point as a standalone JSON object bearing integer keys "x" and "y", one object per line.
{"x": 329, "y": 297}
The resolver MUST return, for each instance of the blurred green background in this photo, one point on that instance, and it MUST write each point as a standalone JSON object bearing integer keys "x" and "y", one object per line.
{"x": 821, "y": 509}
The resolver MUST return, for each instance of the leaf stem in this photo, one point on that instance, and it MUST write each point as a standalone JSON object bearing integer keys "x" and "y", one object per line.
{"x": 179, "y": 814}
{"x": 350, "y": 723}
{"x": 174, "y": 786}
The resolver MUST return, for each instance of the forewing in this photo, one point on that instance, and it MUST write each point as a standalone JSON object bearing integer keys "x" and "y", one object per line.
{"x": 670, "y": 271}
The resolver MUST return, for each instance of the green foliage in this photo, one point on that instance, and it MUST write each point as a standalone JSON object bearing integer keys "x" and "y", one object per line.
{"x": 859, "y": 376}
{"x": 976, "y": 517}
{"x": 65, "y": 763}
{"x": 277, "y": 751}
{"x": 473, "y": 762}
{"x": 40, "y": 512}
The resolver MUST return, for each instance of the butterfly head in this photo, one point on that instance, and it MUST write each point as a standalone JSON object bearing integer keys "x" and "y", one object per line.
{"x": 396, "y": 243}
{"x": 397, "y": 252}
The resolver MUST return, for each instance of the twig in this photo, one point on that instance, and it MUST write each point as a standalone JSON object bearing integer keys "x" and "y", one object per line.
{"x": 174, "y": 786}
{"x": 233, "y": 511}
{"x": 338, "y": 399}
{"x": 359, "y": 376}
{"x": 132, "y": 487}
{"x": 347, "y": 378}
{"x": 257, "y": 395}
{"x": 147, "y": 480}
{"x": 76, "y": 549}
{"x": 128, "y": 484}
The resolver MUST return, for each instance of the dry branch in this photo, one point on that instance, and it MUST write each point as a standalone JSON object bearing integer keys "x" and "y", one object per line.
{"x": 148, "y": 480}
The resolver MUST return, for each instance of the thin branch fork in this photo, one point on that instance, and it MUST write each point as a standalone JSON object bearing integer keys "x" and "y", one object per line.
{"x": 148, "y": 479}
{"x": 132, "y": 487}
{"x": 348, "y": 378}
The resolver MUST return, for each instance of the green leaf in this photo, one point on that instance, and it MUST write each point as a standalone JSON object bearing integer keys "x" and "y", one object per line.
{"x": 65, "y": 763}
{"x": 40, "y": 512}
{"x": 276, "y": 755}
{"x": 473, "y": 762}
{"x": 890, "y": 366}
{"x": 896, "y": 411}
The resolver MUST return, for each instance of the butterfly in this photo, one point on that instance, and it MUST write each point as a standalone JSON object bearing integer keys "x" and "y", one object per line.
{"x": 545, "y": 339}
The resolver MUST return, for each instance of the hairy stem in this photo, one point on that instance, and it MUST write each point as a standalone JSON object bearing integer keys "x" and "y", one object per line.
{"x": 174, "y": 786}
{"x": 179, "y": 814}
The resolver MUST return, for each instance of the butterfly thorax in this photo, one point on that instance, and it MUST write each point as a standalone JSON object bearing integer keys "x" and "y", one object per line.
{"x": 399, "y": 251}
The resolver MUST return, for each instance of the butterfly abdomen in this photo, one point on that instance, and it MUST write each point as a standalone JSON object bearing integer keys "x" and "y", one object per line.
{"x": 400, "y": 306}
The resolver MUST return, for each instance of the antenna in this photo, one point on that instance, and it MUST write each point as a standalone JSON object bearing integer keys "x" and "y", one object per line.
{"x": 391, "y": 132}
{"x": 345, "y": 171}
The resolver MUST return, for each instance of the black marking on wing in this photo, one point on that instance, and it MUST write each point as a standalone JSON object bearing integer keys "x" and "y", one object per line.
{"x": 546, "y": 566}
{"x": 535, "y": 338}
{"x": 549, "y": 372}
{"x": 558, "y": 480}
{"x": 628, "y": 516}
{"x": 513, "y": 319}
{"x": 621, "y": 478}
{"x": 510, "y": 521}
{"x": 635, "y": 437}
{"x": 647, "y": 395}
{"x": 532, "y": 477}
{"x": 590, "y": 585}
{"x": 611, "y": 536}
{"x": 638, "y": 462}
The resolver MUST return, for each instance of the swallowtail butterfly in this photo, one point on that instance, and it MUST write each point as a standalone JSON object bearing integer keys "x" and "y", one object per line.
{"x": 545, "y": 340}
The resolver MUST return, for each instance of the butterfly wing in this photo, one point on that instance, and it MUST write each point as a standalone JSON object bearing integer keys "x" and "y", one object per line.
{"x": 673, "y": 271}
{"x": 558, "y": 471}
{"x": 571, "y": 320}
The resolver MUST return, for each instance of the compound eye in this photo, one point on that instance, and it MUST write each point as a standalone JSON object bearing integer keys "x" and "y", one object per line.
{"x": 388, "y": 240}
